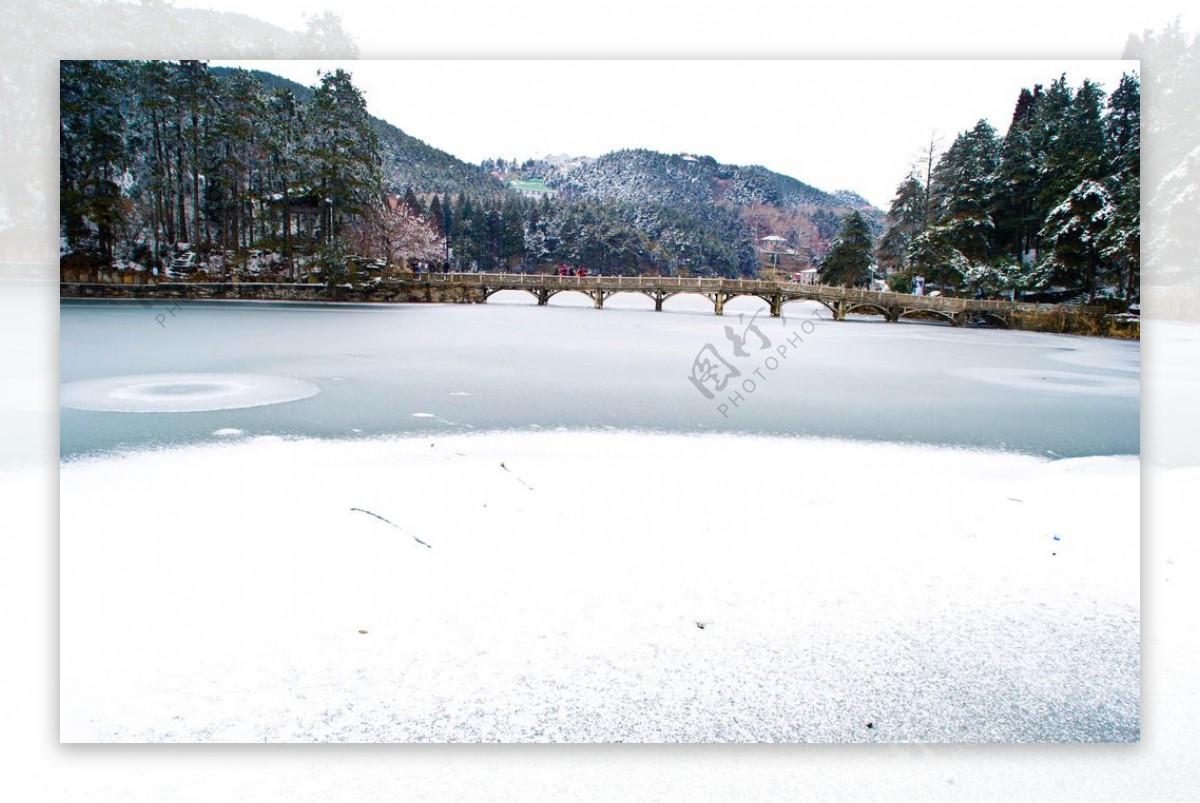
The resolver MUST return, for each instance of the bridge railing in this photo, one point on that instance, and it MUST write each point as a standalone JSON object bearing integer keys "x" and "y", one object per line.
{"x": 594, "y": 281}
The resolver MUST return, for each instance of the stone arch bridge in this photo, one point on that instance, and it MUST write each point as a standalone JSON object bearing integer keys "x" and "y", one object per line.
{"x": 839, "y": 300}
{"x": 478, "y": 287}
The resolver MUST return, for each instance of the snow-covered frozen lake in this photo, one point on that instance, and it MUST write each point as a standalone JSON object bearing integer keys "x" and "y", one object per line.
{"x": 902, "y": 533}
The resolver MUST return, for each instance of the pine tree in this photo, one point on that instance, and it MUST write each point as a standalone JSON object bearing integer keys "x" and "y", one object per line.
{"x": 1016, "y": 212}
{"x": 1026, "y": 102}
{"x": 412, "y": 202}
{"x": 848, "y": 262}
{"x": 1068, "y": 140}
{"x": 154, "y": 103}
{"x": 469, "y": 233}
{"x": 284, "y": 125}
{"x": 1050, "y": 146}
{"x": 436, "y": 218}
{"x": 964, "y": 189}
{"x": 905, "y": 219}
{"x": 1123, "y": 138}
{"x": 1075, "y": 234}
{"x": 193, "y": 90}
{"x": 236, "y": 159}
{"x": 1086, "y": 133}
{"x": 343, "y": 151}
{"x": 512, "y": 233}
{"x": 92, "y": 154}
{"x": 932, "y": 255}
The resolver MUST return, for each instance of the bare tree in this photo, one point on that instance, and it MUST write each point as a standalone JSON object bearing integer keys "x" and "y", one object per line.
{"x": 392, "y": 231}
{"x": 928, "y": 155}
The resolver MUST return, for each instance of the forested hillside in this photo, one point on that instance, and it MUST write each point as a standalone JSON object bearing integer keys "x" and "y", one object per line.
{"x": 172, "y": 166}
{"x": 161, "y": 157}
{"x": 643, "y": 176}
{"x": 1054, "y": 201}
{"x": 739, "y": 204}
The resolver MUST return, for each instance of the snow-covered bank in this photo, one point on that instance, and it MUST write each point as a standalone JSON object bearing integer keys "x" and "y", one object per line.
{"x": 597, "y": 587}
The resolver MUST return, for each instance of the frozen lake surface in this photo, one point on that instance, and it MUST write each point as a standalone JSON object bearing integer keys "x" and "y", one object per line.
{"x": 499, "y": 523}
{"x": 384, "y": 370}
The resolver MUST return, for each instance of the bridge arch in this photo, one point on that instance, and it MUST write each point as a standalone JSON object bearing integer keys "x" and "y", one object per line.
{"x": 562, "y": 291}
{"x": 926, "y": 314}
{"x": 730, "y": 295}
{"x": 866, "y": 307}
{"x": 829, "y": 305}
{"x": 767, "y": 297}
{"x": 509, "y": 293}
{"x": 991, "y": 319}
{"x": 626, "y": 297}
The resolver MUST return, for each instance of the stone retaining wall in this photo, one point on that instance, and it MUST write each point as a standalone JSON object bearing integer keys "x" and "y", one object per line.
{"x": 450, "y": 294}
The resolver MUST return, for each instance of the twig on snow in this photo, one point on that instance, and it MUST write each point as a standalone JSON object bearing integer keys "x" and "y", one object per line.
{"x": 397, "y": 526}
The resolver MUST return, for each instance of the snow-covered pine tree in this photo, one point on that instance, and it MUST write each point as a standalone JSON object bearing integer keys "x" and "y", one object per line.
{"x": 848, "y": 262}
{"x": 1075, "y": 234}
{"x": 342, "y": 150}
{"x": 1015, "y": 211}
{"x": 964, "y": 189}
{"x": 905, "y": 219}
{"x": 1123, "y": 137}
{"x": 932, "y": 255}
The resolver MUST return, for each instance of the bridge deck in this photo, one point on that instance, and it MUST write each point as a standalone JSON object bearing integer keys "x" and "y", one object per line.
{"x": 789, "y": 291}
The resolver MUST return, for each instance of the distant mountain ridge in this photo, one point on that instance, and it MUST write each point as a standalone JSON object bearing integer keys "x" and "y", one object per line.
{"x": 641, "y": 176}
{"x": 771, "y": 204}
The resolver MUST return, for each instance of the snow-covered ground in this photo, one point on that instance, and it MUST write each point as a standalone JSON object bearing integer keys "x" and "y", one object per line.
{"x": 597, "y": 586}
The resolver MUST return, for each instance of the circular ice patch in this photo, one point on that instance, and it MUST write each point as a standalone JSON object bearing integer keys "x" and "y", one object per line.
{"x": 182, "y": 393}
{"x": 228, "y": 432}
{"x": 1054, "y": 381}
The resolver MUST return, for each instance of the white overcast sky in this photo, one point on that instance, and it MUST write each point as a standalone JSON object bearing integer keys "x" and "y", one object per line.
{"x": 845, "y": 101}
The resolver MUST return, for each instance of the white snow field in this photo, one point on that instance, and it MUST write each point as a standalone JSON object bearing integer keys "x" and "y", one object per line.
{"x": 597, "y": 587}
